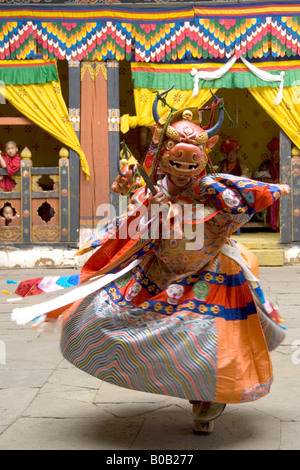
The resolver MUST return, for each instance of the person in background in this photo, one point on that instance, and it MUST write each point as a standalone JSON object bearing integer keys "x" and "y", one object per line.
{"x": 232, "y": 164}
{"x": 269, "y": 172}
{"x": 7, "y": 214}
{"x": 10, "y": 160}
{"x": 269, "y": 169}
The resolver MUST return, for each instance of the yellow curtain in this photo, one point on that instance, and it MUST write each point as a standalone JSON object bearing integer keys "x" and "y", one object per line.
{"x": 44, "y": 105}
{"x": 144, "y": 98}
{"x": 287, "y": 113}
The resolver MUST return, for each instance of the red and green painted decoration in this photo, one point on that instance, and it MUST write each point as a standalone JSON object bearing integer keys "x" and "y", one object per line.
{"x": 101, "y": 32}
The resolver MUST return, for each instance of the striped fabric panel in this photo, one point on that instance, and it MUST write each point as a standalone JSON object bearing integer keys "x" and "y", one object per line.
{"x": 94, "y": 13}
{"x": 174, "y": 356}
{"x": 273, "y": 333}
{"x": 249, "y": 10}
{"x": 131, "y": 14}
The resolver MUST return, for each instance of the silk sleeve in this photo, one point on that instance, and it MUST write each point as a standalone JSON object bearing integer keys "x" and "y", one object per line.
{"x": 239, "y": 195}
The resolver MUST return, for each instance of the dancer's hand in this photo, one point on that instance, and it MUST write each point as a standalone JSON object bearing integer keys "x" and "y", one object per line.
{"x": 284, "y": 188}
{"x": 159, "y": 198}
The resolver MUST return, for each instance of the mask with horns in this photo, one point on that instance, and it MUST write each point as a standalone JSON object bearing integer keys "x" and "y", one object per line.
{"x": 180, "y": 145}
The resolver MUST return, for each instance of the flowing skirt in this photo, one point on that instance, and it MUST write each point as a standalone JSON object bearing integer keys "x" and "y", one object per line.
{"x": 211, "y": 342}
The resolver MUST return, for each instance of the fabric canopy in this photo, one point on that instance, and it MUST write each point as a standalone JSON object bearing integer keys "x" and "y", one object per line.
{"x": 161, "y": 76}
{"x": 286, "y": 114}
{"x": 163, "y": 33}
{"x": 149, "y": 77}
{"x": 41, "y": 101}
{"x": 14, "y": 72}
{"x": 144, "y": 98}
{"x": 146, "y": 15}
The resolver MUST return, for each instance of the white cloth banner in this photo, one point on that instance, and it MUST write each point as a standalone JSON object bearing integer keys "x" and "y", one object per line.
{"x": 24, "y": 315}
{"x": 200, "y": 74}
{"x": 265, "y": 76}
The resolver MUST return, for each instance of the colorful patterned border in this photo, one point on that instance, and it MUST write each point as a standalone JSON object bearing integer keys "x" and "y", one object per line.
{"x": 14, "y": 72}
{"x": 250, "y": 10}
{"x": 159, "y": 76}
{"x": 154, "y": 34}
{"x": 96, "y": 13}
{"x": 150, "y": 15}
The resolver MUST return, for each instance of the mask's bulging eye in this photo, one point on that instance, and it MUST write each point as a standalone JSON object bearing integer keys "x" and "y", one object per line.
{"x": 201, "y": 148}
{"x": 170, "y": 144}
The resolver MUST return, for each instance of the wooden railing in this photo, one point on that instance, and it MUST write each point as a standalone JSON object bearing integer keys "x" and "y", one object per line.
{"x": 40, "y": 202}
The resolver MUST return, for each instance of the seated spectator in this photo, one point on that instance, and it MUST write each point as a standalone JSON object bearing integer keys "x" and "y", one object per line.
{"x": 232, "y": 164}
{"x": 269, "y": 172}
{"x": 11, "y": 161}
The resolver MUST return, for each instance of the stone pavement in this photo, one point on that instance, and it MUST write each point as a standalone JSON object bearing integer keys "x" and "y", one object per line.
{"x": 46, "y": 403}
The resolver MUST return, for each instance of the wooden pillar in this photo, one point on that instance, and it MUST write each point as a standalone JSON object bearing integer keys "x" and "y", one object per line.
{"x": 113, "y": 123}
{"x": 64, "y": 195}
{"x": 295, "y": 195}
{"x": 285, "y": 178}
{"x": 74, "y": 162}
{"x": 26, "y": 165}
{"x": 94, "y": 142}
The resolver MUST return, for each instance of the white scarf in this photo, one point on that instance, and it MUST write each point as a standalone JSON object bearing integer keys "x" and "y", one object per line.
{"x": 266, "y": 76}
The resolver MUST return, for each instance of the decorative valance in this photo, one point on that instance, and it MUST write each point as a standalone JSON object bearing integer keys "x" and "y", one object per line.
{"x": 160, "y": 76}
{"x": 280, "y": 102}
{"x": 99, "y": 32}
{"x": 14, "y": 72}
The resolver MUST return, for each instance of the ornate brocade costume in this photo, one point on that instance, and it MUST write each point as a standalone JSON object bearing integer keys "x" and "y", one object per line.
{"x": 167, "y": 303}
{"x": 181, "y": 322}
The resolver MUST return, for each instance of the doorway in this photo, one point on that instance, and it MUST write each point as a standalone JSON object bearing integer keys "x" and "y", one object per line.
{"x": 254, "y": 129}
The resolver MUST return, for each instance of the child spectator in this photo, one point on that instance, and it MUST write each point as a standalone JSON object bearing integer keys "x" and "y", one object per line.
{"x": 8, "y": 214}
{"x": 11, "y": 161}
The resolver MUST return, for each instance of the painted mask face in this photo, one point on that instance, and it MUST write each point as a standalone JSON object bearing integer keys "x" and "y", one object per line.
{"x": 174, "y": 293}
{"x": 179, "y": 145}
{"x": 184, "y": 149}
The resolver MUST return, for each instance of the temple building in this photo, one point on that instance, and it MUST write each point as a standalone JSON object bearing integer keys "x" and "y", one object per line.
{"x": 78, "y": 78}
